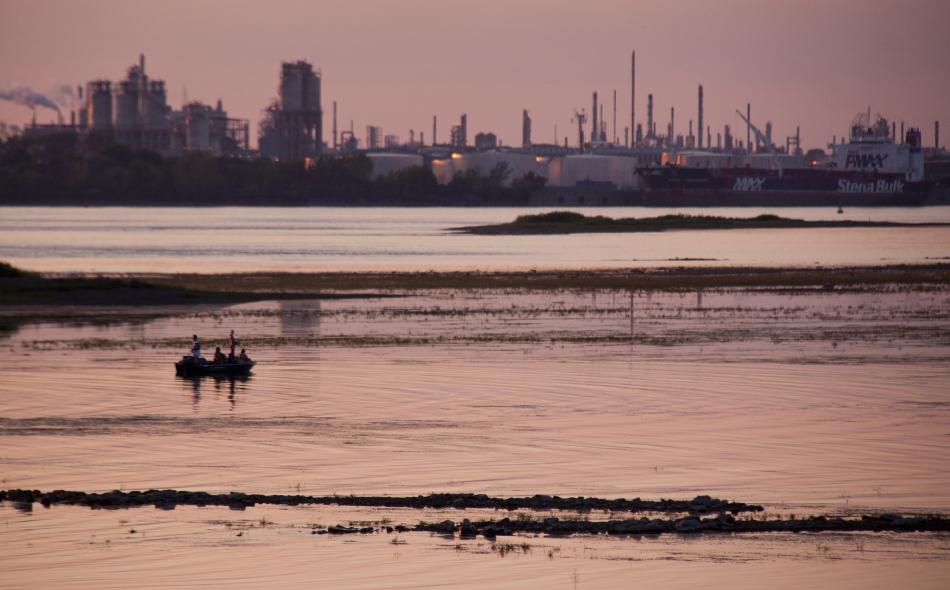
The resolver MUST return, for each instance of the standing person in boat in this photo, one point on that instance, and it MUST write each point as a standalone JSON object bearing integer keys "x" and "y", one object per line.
{"x": 232, "y": 342}
{"x": 195, "y": 348}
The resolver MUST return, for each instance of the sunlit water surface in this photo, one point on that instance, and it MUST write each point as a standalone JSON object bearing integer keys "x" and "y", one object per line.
{"x": 808, "y": 402}
{"x": 209, "y": 239}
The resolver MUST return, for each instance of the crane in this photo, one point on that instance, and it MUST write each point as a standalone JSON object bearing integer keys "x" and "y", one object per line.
{"x": 761, "y": 138}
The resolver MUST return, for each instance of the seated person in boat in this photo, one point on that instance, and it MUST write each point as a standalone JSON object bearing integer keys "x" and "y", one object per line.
{"x": 219, "y": 356}
{"x": 243, "y": 357}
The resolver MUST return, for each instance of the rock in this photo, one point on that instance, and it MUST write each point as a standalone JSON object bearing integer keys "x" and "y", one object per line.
{"x": 688, "y": 525}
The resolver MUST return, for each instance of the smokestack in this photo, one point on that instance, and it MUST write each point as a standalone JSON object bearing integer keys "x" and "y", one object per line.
{"x": 633, "y": 92}
{"x": 700, "y": 120}
{"x": 708, "y": 137}
{"x": 464, "y": 129}
{"x": 602, "y": 132}
{"x": 748, "y": 127}
{"x": 335, "y": 144}
{"x": 672, "y": 122}
{"x": 902, "y": 132}
{"x": 526, "y": 129}
{"x": 615, "y": 117}
{"x": 434, "y": 125}
{"x": 650, "y": 115}
{"x": 142, "y": 63}
{"x": 595, "y": 129}
{"x": 691, "y": 141}
{"x": 936, "y": 136}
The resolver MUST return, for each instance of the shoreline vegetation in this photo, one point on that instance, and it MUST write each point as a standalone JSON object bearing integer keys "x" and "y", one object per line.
{"x": 69, "y": 170}
{"x": 569, "y": 222}
{"x": 20, "y": 288}
{"x": 683, "y": 516}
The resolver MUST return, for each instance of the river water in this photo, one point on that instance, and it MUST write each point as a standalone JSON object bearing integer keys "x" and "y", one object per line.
{"x": 807, "y": 402}
{"x": 208, "y": 239}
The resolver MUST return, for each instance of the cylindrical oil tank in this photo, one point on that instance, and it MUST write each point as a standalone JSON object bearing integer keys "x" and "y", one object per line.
{"x": 385, "y": 163}
{"x": 617, "y": 170}
{"x": 518, "y": 165}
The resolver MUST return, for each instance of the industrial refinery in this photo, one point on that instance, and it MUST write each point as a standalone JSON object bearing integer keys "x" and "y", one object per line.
{"x": 135, "y": 112}
{"x": 604, "y": 164}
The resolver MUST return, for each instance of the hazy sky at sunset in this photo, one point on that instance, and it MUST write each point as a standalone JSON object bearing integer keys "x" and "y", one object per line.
{"x": 396, "y": 63}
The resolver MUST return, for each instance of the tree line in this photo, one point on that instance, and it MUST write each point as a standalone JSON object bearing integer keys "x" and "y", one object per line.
{"x": 69, "y": 169}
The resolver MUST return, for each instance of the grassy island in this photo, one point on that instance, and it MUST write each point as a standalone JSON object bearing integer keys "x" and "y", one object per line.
{"x": 569, "y": 222}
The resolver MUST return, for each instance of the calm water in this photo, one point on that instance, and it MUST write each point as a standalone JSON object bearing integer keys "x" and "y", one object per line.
{"x": 310, "y": 239}
{"x": 807, "y": 402}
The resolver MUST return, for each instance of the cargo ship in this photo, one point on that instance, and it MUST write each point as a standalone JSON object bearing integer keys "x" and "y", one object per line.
{"x": 870, "y": 169}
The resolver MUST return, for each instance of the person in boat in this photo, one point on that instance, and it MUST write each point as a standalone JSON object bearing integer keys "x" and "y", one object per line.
{"x": 195, "y": 348}
{"x": 219, "y": 356}
{"x": 232, "y": 342}
{"x": 244, "y": 358}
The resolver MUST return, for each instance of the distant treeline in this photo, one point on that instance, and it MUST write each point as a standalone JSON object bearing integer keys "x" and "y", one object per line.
{"x": 69, "y": 169}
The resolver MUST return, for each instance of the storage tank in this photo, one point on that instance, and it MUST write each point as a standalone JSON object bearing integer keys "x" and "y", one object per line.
{"x": 617, "y": 170}
{"x": 519, "y": 164}
{"x": 385, "y": 163}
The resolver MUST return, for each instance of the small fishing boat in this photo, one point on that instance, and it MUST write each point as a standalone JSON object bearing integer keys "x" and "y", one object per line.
{"x": 189, "y": 367}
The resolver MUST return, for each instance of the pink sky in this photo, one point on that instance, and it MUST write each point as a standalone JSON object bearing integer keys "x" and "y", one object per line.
{"x": 396, "y": 63}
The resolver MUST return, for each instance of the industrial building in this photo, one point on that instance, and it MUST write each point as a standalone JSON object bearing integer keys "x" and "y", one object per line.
{"x": 292, "y": 126}
{"x": 135, "y": 112}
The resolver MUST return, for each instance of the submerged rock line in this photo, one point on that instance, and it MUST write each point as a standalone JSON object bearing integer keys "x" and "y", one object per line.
{"x": 168, "y": 499}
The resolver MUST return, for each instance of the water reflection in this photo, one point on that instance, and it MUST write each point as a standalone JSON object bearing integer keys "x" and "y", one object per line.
{"x": 300, "y": 317}
{"x": 195, "y": 384}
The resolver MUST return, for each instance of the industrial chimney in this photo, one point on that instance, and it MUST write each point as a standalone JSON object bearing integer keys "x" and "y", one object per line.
{"x": 649, "y": 115}
{"x": 700, "y": 121}
{"x": 525, "y": 129}
{"x": 595, "y": 129}
{"x": 633, "y": 92}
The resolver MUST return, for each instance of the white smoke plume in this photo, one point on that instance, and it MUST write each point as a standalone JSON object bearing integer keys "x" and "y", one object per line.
{"x": 26, "y": 96}
{"x": 65, "y": 96}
